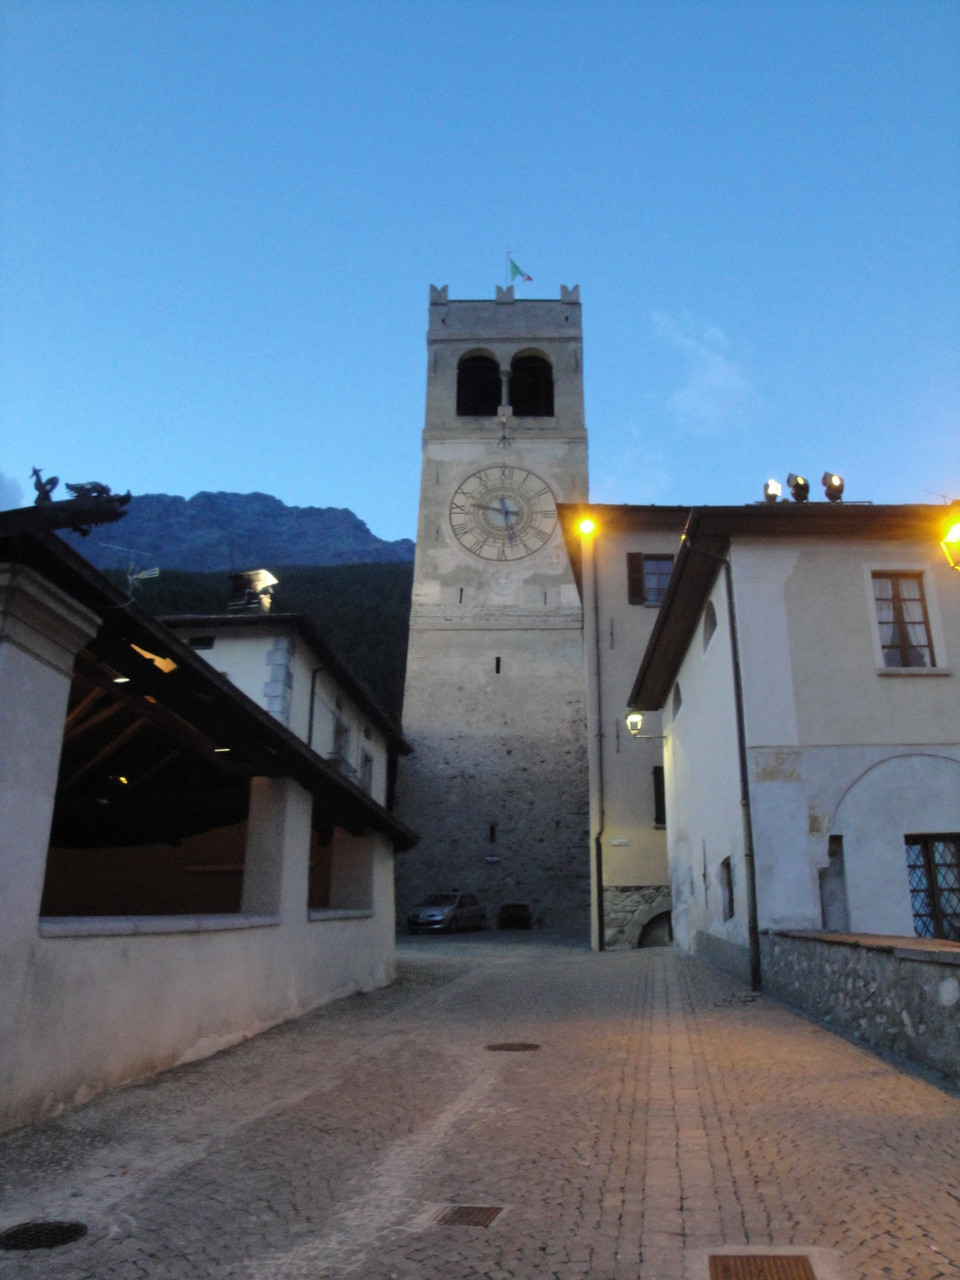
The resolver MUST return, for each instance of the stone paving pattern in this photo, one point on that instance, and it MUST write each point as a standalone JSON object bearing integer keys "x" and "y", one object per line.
{"x": 667, "y": 1111}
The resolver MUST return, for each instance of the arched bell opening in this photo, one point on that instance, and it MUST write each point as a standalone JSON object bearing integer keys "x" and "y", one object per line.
{"x": 531, "y": 387}
{"x": 478, "y": 387}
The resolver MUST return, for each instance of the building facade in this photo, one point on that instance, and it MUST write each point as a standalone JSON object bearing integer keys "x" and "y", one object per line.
{"x": 494, "y": 695}
{"x": 179, "y": 870}
{"x": 804, "y": 667}
{"x": 284, "y": 664}
{"x": 622, "y": 567}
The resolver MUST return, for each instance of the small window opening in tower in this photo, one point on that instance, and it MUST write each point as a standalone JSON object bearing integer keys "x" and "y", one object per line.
{"x": 461, "y": 595}
{"x": 492, "y": 833}
{"x": 531, "y": 387}
{"x": 478, "y": 387}
{"x": 497, "y": 665}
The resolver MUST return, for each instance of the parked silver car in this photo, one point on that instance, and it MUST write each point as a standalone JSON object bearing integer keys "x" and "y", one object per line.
{"x": 447, "y": 912}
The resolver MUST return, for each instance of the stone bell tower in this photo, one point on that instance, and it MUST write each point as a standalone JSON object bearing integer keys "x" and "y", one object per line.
{"x": 494, "y": 697}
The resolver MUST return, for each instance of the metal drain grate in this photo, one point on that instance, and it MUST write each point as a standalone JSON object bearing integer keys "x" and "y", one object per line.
{"x": 770, "y": 1267}
{"x": 41, "y": 1235}
{"x": 513, "y": 1046}
{"x": 469, "y": 1215}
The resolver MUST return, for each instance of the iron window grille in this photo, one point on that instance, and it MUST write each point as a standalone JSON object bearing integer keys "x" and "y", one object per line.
{"x": 903, "y": 620}
{"x": 933, "y": 871}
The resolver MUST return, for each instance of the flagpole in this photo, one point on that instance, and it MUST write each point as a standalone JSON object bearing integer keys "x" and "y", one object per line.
{"x": 506, "y": 270}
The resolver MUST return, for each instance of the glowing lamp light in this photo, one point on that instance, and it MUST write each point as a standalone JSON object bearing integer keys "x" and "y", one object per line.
{"x": 586, "y": 526}
{"x": 635, "y": 723}
{"x": 121, "y": 679}
{"x": 799, "y": 487}
{"x": 951, "y": 546}
{"x": 832, "y": 486}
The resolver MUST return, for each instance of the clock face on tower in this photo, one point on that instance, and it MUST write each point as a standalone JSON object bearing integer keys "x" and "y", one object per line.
{"x": 503, "y": 513}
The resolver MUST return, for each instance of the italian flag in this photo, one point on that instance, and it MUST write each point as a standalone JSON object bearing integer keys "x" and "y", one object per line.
{"x": 516, "y": 271}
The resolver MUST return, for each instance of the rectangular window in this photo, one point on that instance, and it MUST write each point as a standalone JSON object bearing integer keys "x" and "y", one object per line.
{"x": 341, "y": 745}
{"x": 366, "y": 771}
{"x": 726, "y": 888}
{"x": 647, "y": 577}
{"x": 659, "y": 799}
{"x": 933, "y": 871}
{"x": 903, "y": 619}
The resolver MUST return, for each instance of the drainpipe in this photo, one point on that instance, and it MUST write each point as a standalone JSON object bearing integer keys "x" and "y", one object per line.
{"x": 748, "y": 858}
{"x": 601, "y": 809}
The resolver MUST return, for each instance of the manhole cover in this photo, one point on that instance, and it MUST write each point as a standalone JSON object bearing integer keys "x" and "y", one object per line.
{"x": 513, "y": 1046}
{"x": 469, "y": 1215}
{"x": 769, "y": 1267}
{"x": 41, "y": 1235}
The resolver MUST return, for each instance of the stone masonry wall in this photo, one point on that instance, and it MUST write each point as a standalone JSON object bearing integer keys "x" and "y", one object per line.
{"x": 885, "y": 992}
{"x": 627, "y": 908}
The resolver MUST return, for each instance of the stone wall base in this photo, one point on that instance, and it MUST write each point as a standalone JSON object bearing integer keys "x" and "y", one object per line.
{"x": 896, "y": 994}
{"x": 627, "y": 909}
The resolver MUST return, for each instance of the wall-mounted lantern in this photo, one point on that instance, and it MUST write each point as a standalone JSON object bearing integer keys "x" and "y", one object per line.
{"x": 951, "y": 546}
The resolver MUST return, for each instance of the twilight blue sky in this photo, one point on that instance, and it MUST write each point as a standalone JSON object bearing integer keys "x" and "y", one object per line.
{"x": 219, "y": 220}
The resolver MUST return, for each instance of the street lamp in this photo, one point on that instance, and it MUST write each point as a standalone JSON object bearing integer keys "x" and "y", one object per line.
{"x": 951, "y": 546}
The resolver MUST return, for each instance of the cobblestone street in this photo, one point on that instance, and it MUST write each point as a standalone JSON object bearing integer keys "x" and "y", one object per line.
{"x": 666, "y": 1113}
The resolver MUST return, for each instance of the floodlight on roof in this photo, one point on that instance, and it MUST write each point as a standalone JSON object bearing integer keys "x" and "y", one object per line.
{"x": 832, "y": 486}
{"x": 799, "y": 487}
{"x": 772, "y": 490}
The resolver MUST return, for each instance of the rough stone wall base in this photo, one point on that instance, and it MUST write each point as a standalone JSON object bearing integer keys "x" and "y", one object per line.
{"x": 627, "y": 908}
{"x": 893, "y": 997}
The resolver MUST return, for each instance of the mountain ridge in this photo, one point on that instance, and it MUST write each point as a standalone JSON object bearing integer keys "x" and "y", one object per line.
{"x": 221, "y": 531}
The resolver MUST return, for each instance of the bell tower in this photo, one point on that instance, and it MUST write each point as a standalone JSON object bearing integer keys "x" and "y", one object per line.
{"x": 494, "y": 695}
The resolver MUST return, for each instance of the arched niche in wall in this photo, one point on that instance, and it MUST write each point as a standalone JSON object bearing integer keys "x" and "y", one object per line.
{"x": 900, "y": 828}
{"x": 531, "y": 386}
{"x": 709, "y": 624}
{"x": 478, "y": 386}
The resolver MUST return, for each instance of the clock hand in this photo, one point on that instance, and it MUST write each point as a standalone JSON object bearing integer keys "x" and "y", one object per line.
{"x": 511, "y": 533}
{"x": 508, "y": 513}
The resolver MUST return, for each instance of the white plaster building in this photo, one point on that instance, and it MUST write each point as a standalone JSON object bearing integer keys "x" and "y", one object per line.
{"x": 178, "y": 869}
{"x": 828, "y": 745}
{"x": 622, "y": 568}
{"x": 281, "y": 661}
{"x": 494, "y": 693}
